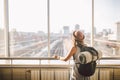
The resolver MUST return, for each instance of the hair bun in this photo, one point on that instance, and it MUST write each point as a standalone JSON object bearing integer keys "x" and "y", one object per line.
{"x": 78, "y": 35}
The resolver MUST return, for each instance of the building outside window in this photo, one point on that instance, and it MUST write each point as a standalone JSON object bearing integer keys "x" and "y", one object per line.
{"x": 107, "y": 27}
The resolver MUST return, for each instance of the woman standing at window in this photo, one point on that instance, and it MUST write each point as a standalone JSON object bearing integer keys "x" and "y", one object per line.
{"x": 77, "y": 38}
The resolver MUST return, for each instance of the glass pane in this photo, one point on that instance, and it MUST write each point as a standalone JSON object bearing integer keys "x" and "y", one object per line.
{"x": 107, "y": 27}
{"x": 2, "y": 43}
{"x": 28, "y": 28}
{"x": 65, "y": 17}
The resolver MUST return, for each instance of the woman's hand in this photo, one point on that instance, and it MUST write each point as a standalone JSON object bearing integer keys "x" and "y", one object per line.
{"x": 56, "y": 57}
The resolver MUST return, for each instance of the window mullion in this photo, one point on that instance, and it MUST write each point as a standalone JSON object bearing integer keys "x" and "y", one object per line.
{"x": 48, "y": 25}
{"x": 92, "y": 29}
{"x": 6, "y": 26}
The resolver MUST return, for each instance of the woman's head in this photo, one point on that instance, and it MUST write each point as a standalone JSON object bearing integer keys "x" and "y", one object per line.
{"x": 78, "y": 36}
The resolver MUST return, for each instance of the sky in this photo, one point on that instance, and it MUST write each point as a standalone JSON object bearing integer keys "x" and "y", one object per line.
{"x": 31, "y": 15}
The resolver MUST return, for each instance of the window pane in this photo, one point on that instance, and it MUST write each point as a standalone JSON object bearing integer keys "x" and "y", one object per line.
{"x": 28, "y": 28}
{"x": 2, "y": 43}
{"x": 65, "y": 17}
{"x": 107, "y": 27}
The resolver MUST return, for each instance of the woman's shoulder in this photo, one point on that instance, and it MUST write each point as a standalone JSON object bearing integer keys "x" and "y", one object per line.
{"x": 74, "y": 48}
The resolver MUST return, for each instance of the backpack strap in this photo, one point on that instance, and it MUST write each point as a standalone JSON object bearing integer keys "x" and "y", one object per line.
{"x": 92, "y": 50}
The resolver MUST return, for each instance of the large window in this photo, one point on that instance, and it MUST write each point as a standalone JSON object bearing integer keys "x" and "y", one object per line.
{"x": 28, "y": 28}
{"x": 41, "y": 28}
{"x": 65, "y": 17}
{"x": 107, "y": 27}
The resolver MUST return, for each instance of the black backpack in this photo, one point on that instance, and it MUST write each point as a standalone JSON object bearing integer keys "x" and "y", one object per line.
{"x": 87, "y": 69}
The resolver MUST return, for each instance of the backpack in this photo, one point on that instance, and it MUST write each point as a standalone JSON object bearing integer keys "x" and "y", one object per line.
{"x": 87, "y": 69}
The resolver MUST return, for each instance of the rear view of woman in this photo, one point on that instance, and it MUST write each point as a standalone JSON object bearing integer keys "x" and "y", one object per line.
{"x": 77, "y": 38}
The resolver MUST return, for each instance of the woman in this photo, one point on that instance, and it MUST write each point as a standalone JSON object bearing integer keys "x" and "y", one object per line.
{"x": 78, "y": 38}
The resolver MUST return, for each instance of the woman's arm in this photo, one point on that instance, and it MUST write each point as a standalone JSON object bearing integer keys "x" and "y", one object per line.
{"x": 68, "y": 56}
